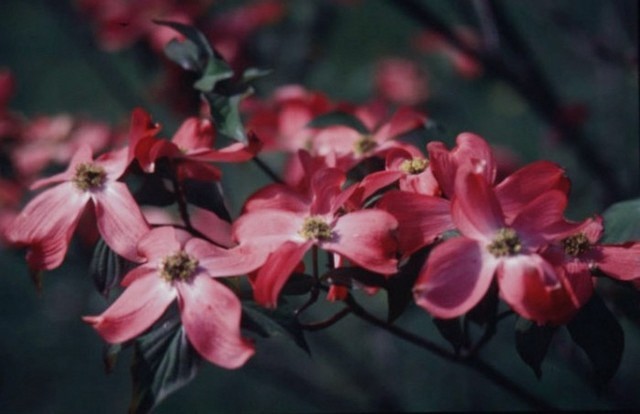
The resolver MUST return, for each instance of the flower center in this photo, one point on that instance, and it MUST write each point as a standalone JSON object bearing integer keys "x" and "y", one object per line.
{"x": 88, "y": 176}
{"x": 505, "y": 243}
{"x": 178, "y": 266}
{"x": 315, "y": 228}
{"x": 576, "y": 245}
{"x": 364, "y": 145}
{"x": 414, "y": 166}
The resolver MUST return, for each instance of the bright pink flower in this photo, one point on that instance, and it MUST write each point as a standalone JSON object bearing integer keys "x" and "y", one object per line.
{"x": 180, "y": 267}
{"x": 191, "y": 149}
{"x": 459, "y": 271}
{"x": 283, "y": 225}
{"x": 582, "y": 253}
{"x": 47, "y": 223}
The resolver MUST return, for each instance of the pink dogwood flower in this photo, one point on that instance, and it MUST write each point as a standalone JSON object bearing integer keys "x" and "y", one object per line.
{"x": 183, "y": 268}
{"x": 283, "y": 225}
{"x": 47, "y": 222}
{"x": 459, "y": 271}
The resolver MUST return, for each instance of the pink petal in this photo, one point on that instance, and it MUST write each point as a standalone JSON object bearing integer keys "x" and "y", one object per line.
{"x": 47, "y": 224}
{"x": 139, "y": 306}
{"x": 365, "y": 237}
{"x": 421, "y": 218}
{"x": 403, "y": 120}
{"x": 267, "y": 227}
{"x": 338, "y": 139}
{"x": 277, "y": 196}
{"x": 211, "y": 313}
{"x": 530, "y": 285}
{"x": 217, "y": 261}
{"x": 194, "y": 133}
{"x": 524, "y": 185}
{"x": 325, "y": 187}
{"x": 82, "y": 155}
{"x": 120, "y": 220}
{"x": 619, "y": 261}
{"x": 162, "y": 241}
{"x": 543, "y": 220}
{"x": 455, "y": 278}
{"x": 212, "y": 226}
{"x": 274, "y": 273}
{"x": 475, "y": 209}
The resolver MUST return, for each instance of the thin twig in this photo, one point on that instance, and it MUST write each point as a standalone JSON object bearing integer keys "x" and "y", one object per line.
{"x": 474, "y": 363}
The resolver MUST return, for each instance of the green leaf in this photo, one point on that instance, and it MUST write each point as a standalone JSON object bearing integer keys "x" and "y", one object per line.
{"x": 251, "y": 74}
{"x": 226, "y": 114}
{"x": 451, "y": 330}
{"x": 597, "y": 331}
{"x": 193, "y": 53}
{"x": 532, "y": 343}
{"x": 338, "y": 118}
{"x": 267, "y": 323}
{"x": 163, "y": 362}
{"x": 107, "y": 268}
{"x": 400, "y": 286}
{"x": 215, "y": 71}
{"x": 622, "y": 222}
{"x": 298, "y": 284}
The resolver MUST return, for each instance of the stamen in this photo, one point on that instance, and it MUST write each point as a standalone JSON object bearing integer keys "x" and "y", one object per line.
{"x": 315, "y": 228}
{"x": 414, "y": 166}
{"x": 506, "y": 243}
{"x": 178, "y": 266}
{"x": 89, "y": 176}
{"x": 576, "y": 245}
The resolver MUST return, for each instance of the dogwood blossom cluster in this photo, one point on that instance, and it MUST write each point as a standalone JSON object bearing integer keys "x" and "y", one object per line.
{"x": 480, "y": 231}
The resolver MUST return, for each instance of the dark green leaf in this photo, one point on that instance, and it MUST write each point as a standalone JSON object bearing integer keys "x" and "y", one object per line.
{"x": 208, "y": 196}
{"x": 163, "y": 362}
{"x": 622, "y": 222}
{"x": 597, "y": 331}
{"x": 194, "y": 52}
{"x": 107, "y": 268}
{"x": 226, "y": 114}
{"x": 110, "y": 356}
{"x": 451, "y": 330}
{"x": 298, "y": 284}
{"x": 338, "y": 118}
{"x": 400, "y": 286}
{"x": 532, "y": 343}
{"x": 266, "y": 323}
{"x": 486, "y": 311}
{"x": 216, "y": 70}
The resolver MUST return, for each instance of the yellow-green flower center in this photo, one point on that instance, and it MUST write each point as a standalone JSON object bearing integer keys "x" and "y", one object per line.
{"x": 365, "y": 144}
{"x": 178, "y": 266}
{"x": 88, "y": 176}
{"x": 315, "y": 228}
{"x": 576, "y": 245}
{"x": 414, "y": 166}
{"x": 505, "y": 243}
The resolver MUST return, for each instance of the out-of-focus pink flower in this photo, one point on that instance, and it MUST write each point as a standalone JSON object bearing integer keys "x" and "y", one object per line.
{"x": 281, "y": 122}
{"x": 467, "y": 66}
{"x": 120, "y": 23}
{"x": 183, "y": 268}
{"x": 47, "y": 222}
{"x": 53, "y": 140}
{"x": 401, "y": 81}
{"x": 351, "y": 146}
{"x": 230, "y": 31}
{"x": 10, "y": 196}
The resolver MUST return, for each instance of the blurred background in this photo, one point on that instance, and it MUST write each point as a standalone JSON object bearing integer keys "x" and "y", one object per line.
{"x": 554, "y": 80}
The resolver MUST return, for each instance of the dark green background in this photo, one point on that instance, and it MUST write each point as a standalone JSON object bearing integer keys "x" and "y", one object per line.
{"x": 51, "y": 361}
